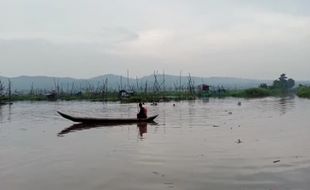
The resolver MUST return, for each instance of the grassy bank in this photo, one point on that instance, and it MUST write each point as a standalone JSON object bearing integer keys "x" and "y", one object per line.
{"x": 303, "y": 91}
{"x": 258, "y": 93}
{"x": 251, "y": 93}
{"x": 163, "y": 96}
{"x": 111, "y": 96}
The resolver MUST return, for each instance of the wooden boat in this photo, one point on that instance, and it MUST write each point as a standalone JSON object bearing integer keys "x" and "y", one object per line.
{"x": 106, "y": 120}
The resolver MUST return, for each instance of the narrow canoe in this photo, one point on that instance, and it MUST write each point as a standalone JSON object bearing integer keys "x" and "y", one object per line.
{"x": 106, "y": 120}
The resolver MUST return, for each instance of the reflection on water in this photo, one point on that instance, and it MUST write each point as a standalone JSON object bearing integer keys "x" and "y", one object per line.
{"x": 81, "y": 126}
{"x": 142, "y": 126}
{"x": 9, "y": 111}
{"x": 5, "y": 112}
{"x": 216, "y": 144}
{"x": 1, "y": 117}
{"x": 286, "y": 103}
{"x": 282, "y": 105}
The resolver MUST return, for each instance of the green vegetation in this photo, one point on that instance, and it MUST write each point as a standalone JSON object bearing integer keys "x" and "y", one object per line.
{"x": 252, "y": 93}
{"x": 283, "y": 83}
{"x": 303, "y": 91}
{"x": 110, "y": 96}
{"x": 280, "y": 87}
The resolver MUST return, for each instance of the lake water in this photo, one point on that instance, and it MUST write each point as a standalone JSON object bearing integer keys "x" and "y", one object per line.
{"x": 203, "y": 144}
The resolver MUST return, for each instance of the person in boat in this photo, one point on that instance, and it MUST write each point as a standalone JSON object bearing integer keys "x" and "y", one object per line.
{"x": 142, "y": 113}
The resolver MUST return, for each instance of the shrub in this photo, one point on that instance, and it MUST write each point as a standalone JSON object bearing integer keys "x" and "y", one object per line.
{"x": 303, "y": 91}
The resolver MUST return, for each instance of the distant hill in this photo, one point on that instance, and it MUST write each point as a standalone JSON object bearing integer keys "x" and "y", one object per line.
{"x": 116, "y": 82}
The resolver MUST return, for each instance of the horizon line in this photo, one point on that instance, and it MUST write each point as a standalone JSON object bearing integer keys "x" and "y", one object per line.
{"x": 158, "y": 74}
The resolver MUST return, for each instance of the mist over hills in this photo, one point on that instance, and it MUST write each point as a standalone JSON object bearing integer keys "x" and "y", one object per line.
{"x": 116, "y": 82}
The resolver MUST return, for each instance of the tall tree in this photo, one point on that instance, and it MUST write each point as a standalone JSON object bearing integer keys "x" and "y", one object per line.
{"x": 290, "y": 83}
{"x": 284, "y": 83}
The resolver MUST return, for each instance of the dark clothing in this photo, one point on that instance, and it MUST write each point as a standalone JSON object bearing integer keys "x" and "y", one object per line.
{"x": 142, "y": 113}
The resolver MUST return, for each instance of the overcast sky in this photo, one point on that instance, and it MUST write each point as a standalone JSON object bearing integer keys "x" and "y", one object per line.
{"x": 257, "y": 39}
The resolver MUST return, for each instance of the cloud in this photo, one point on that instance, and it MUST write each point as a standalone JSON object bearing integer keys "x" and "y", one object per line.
{"x": 260, "y": 29}
{"x": 231, "y": 38}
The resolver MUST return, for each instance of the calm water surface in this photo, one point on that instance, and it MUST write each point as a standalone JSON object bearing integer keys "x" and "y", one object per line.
{"x": 203, "y": 144}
